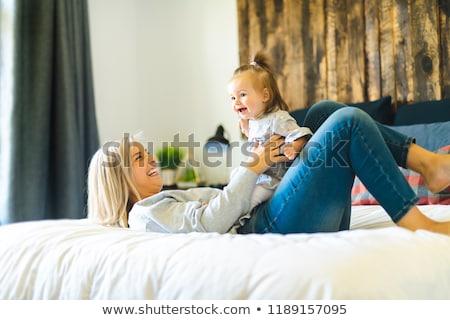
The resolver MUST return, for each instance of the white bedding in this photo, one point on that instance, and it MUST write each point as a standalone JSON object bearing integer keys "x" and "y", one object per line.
{"x": 72, "y": 259}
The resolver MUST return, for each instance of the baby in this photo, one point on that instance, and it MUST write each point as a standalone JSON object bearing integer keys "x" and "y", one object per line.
{"x": 257, "y": 100}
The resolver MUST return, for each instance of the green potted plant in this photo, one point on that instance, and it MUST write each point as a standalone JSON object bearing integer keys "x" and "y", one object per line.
{"x": 187, "y": 174}
{"x": 169, "y": 159}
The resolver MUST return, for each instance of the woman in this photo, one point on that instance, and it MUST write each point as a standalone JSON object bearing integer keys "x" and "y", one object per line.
{"x": 314, "y": 195}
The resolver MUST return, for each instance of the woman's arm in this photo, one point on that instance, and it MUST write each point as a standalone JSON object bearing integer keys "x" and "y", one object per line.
{"x": 206, "y": 209}
{"x": 196, "y": 209}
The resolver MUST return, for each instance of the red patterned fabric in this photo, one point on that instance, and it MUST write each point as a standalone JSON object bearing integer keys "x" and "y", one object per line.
{"x": 361, "y": 196}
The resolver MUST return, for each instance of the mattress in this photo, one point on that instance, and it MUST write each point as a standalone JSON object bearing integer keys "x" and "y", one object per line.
{"x": 74, "y": 259}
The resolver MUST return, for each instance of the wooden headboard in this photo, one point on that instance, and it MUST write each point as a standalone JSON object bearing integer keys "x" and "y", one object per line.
{"x": 351, "y": 50}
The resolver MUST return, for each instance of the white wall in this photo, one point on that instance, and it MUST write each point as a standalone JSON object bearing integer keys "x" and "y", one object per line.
{"x": 162, "y": 66}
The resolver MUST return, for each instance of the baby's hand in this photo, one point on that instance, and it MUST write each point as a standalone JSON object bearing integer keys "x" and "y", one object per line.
{"x": 289, "y": 151}
{"x": 243, "y": 126}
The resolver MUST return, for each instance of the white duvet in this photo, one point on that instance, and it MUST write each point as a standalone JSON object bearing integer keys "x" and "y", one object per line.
{"x": 72, "y": 259}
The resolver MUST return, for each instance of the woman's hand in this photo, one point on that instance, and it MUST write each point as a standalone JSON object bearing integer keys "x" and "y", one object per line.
{"x": 263, "y": 156}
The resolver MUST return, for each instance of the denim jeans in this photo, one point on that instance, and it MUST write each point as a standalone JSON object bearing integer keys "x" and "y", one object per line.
{"x": 315, "y": 193}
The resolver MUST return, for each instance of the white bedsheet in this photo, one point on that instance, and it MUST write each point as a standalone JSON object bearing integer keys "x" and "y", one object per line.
{"x": 72, "y": 259}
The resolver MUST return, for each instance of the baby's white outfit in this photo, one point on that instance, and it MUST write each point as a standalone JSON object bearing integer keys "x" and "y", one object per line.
{"x": 278, "y": 122}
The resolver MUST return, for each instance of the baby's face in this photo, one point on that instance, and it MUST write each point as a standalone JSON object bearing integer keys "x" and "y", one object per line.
{"x": 247, "y": 101}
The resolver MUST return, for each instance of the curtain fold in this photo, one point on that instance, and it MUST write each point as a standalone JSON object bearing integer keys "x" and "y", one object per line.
{"x": 53, "y": 130}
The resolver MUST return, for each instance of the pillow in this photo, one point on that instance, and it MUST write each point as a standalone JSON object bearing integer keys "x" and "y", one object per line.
{"x": 299, "y": 115}
{"x": 381, "y": 110}
{"x": 431, "y": 136}
{"x": 423, "y": 112}
{"x": 361, "y": 196}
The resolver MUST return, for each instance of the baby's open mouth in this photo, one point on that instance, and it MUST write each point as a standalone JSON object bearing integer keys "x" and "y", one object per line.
{"x": 240, "y": 110}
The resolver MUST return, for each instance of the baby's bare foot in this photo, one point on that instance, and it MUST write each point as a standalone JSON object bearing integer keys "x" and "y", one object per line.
{"x": 437, "y": 177}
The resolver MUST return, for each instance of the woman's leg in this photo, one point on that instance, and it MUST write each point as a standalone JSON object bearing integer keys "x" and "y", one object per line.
{"x": 314, "y": 195}
{"x": 434, "y": 168}
{"x": 397, "y": 143}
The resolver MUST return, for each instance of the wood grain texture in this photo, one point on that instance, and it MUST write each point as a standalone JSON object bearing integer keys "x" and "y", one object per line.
{"x": 351, "y": 50}
{"x": 444, "y": 39}
{"x": 372, "y": 49}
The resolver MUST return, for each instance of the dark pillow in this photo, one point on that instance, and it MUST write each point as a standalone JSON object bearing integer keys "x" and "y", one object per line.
{"x": 299, "y": 115}
{"x": 423, "y": 112}
{"x": 381, "y": 110}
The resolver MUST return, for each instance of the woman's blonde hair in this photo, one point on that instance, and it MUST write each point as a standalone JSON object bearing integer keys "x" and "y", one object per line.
{"x": 260, "y": 65}
{"x": 110, "y": 183}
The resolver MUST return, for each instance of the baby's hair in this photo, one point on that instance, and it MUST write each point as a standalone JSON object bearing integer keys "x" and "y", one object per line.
{"x": 261, "y": 66}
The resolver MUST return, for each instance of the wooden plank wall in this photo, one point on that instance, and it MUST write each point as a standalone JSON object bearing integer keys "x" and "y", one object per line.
{"x": 351, "y": 50}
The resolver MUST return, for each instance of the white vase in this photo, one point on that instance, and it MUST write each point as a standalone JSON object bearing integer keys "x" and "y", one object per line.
{"x": 168, "y": 176}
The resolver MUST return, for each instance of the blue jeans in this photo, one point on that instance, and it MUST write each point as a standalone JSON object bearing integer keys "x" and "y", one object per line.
{"x": 315, "y": 193}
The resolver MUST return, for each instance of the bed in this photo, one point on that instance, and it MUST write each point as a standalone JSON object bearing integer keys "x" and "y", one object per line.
{"x": 74, "y": 259}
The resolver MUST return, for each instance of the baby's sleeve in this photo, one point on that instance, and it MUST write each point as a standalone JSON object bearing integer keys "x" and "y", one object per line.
{"x": 286, "y": 126}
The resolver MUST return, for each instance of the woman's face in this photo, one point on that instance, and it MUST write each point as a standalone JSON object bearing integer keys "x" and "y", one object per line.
{"x": 145, "y": 172}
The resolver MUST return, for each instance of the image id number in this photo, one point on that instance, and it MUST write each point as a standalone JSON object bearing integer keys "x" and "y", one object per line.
{"x": 307, "y": 309}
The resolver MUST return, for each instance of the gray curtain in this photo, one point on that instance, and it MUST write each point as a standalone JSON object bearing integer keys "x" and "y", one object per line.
{"x": 52, "y": 130}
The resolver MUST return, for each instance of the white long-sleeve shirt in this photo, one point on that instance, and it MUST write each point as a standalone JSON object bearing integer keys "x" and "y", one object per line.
{"x": 196, "y": 209}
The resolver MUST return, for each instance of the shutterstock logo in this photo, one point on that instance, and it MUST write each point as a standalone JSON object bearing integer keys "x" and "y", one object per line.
{"x": 329, "y": 153}
{"x": 215, "y": 155}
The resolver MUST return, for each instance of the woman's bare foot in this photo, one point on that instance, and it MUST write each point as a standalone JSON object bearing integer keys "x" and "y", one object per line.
{"x": 434, "y": 167}
{"x": 437, "y": 176}
{"x": 415, "y": 220}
